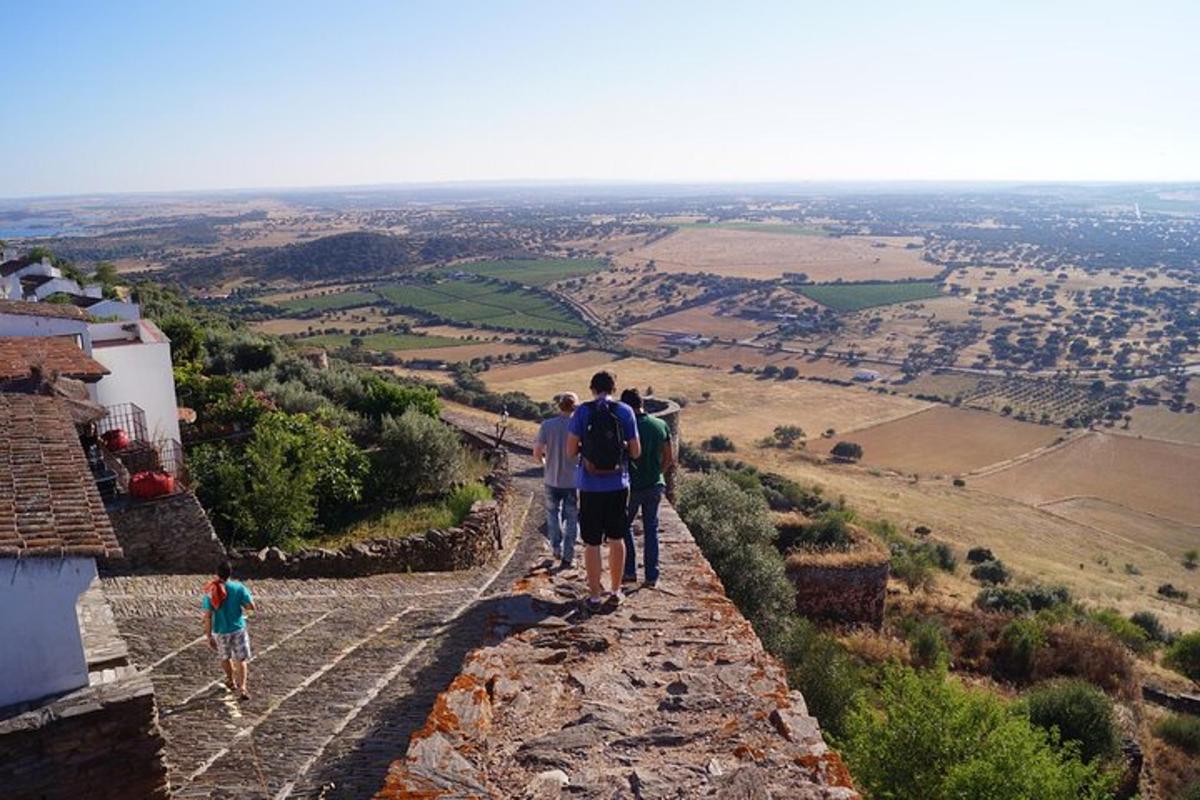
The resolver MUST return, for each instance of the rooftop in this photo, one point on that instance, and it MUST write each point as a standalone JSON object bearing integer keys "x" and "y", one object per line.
{"x": 30, "y": 309}
{"x": 19, "y": 354}
{"x": 49, "y": 506}
{"x": 9, "y": 267}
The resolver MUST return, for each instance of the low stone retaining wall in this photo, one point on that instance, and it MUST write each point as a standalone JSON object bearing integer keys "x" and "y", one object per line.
{"x": 484, "y": 531}
{"x": 1181, "y": 703}
{"x": 842, "y": 587}
{"x": 669, "y": 695}
{"x": 169, "y": 534}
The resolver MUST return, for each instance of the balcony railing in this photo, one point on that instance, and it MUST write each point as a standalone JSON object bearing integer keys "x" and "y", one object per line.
{"x": 127, "y": 417}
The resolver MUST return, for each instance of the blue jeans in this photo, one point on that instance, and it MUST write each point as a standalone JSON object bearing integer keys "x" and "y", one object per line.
{"x": 646, "y": 501}
{"x": 562, "y": 520}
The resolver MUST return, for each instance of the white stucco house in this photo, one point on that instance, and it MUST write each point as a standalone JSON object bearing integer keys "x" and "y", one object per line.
{"x": 138, "y": 357}
{"x": 47, "y": 558}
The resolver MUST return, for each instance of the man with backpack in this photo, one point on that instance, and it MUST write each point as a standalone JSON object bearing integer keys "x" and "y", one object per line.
{"x": 646, "y": 486}
{"x": 603, "y": 434}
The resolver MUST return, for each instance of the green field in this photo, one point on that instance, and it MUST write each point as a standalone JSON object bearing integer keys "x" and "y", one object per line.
{"x": 385, "y": 342}
{"x": 532, "y": 272}
{"x": 469, "y": 302}
{"x": 329, "y": 302}
{"x": 857, "y": 296}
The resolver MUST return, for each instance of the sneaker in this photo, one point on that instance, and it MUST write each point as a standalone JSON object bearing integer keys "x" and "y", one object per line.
{"x": 651, "y": 583}
{"x": 565, "y": 565}
{"x": 594, "y": 604}
{"x": 558, "y": 553}
{"x": 629, "y": 579}
{"x": 617, "y": 597}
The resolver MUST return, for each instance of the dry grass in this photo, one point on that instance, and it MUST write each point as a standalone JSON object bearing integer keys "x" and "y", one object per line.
{"x": 757, "y": 254}
{"x": 946, "y": 441}
{"x": 501, "y": 377}
{"x": 706, "y": 321}
{"x": 740, "y": 406}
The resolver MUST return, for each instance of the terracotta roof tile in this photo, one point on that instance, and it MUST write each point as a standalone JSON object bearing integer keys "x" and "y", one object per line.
{"x": 49, "y": 505}
{"x": 31, "y": 309}
{"x": 52, "y": 353}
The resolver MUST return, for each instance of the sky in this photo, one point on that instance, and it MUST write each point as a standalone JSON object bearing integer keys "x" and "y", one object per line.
{"x": 164, "y": 96}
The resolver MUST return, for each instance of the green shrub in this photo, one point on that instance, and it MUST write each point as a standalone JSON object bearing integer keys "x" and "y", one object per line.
{"x": 926, "y": 737}
{"x": 1184, "y": 655}
{"x": 978, "y": 555}
{"x": 991, "y": 572}
{"x": 1003, "y": 599}
{"x": 1129, "y": 634}
{"x": 1043, "y": 597}
{"x": 822, "y": 670}
{"x": 718, "y": 443}
{"x": 461, "y": 499}
{"x": 418, "y": 456}
{"x": 1016, "y": 652}
{"x": 830, "y": 531}
{"x": 913, "y": 568}
{"x": 1149, "y": 622}
{"x": 1181, "y": 730}
{"x": 1080, "y": 712}
{"x": 847, "y": 451}
{"x": 927, "y": 645}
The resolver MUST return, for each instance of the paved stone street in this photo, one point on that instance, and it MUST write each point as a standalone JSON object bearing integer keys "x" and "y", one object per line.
{"x": 344, "y": 670}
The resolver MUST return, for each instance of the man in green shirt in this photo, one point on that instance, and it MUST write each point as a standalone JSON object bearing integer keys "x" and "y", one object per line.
{"x": 646, "y": 486}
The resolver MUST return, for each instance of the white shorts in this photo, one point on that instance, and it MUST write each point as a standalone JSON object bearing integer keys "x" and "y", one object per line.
{"x": 234, "y": 646}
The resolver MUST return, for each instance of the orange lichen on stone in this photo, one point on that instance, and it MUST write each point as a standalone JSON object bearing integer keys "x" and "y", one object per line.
{"x": 747, "y": 753}
{"x": 827, "y": 768}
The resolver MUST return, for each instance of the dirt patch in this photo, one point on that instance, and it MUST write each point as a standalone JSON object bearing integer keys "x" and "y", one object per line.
{"x": 944, "y": 440}
{"x": 705, "y": 321}
{"x": 755, "y": 254}
{"x": 1139, "y": 474}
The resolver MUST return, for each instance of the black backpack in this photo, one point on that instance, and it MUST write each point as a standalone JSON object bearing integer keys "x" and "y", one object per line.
{"x": 602, "y": 441}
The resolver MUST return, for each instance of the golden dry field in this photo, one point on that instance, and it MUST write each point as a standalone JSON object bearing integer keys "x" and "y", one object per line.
{"x": 758, "y": 254}
{"x": 706, "y": 321}
{"x": 726, "y": 356}
{"x": 466, "y": 351}
{"x": 950, "y": 441}
{"x": 1159, "y": 422}
{"x": 1140, "y": 474}
{"x": 501, "y": 376}
{"x": 740, "y": 406}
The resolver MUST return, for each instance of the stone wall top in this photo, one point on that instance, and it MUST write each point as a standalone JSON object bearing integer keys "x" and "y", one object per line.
{"x": 670, "y": 694}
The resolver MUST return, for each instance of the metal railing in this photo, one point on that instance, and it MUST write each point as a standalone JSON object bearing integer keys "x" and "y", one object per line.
{"x": 128, "y": 417}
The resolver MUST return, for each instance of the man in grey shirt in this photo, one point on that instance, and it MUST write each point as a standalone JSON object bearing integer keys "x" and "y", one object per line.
{"x": 562, "y": 503}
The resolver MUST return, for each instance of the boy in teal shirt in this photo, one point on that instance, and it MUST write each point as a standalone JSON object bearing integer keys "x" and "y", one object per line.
{"x": 225, "y": 604}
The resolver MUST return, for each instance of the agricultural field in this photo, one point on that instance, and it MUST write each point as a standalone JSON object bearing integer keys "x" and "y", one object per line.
{"x": 786, "y": 228}
{"x": 1139, "y": 474}
{"x": 949, "y": 441}
{"x": 857, "y": 296}
{"x": 742, "y": 407}
{"x": 384, "y": 342}
{"x": 726, "y": 356}
{"x": 531, "y": 272}
{"x": 329, "y": 302}
{"x": 471, "y": 302}
{"x": 757, "y": 254}
{"x": 706, "y": 320}
{"x": 499, "y": 377}
{"x": 1160, "y": 422}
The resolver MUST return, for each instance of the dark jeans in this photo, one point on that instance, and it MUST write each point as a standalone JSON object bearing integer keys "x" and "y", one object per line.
{"x": 646, "y": 501}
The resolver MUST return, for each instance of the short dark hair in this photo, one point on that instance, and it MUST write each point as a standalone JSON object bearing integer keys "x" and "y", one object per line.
{"x": 604, "y": 382}
{"x": 224, "y": 570}
{"x": 632, "y": 398}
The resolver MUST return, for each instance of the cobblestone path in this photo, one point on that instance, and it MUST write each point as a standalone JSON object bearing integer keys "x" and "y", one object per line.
{"x": 344, "y": 670}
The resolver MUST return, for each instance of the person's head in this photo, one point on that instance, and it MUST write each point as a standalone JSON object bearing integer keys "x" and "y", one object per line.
{"x": 566, "y": 402}
{"x": 603, "y": 382}
{"x": 224, "y": 570}
{"x": 633, "y": 399}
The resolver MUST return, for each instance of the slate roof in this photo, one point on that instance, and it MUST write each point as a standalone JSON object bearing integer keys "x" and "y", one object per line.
{"x": 25, "y": 308}
{"x": 49, "y": 505}
{"x": 9, "y": 267}
{"x": 18, "y": 354}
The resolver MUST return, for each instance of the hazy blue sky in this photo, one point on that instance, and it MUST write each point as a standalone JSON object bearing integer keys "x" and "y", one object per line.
{"x": 107, "y": 96}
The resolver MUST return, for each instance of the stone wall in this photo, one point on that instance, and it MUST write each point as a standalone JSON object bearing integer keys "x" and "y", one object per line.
{"x": 842, "y": 587}
{"x": 102, "y": 743}
{"x": 169, "y": 534}
{"x": 484, "y": 531}
{"x": 669, "y": 695}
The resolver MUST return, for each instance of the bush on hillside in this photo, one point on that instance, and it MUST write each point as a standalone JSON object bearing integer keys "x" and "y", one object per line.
{"x": 913, "y": 568}
{"x": 1003, "y": 599}
{"x": 993, "y": 572}
{"x": 978, "y": 555}
{"x": 1149, "y": 622}
{"x": 926, "y": 736}
{"x": 1180, "y": 730}
{"x": 1080, "y": 713}
{"x": 418, "y": 456}
{"x": 847, "y": 451}
{"x": 927, "y": 645}
{"x": 1016, "y": 652}
{"x": 1184, "y": 655}
{"x": 1128, "y": 633}
{"x": 718, "y": 443}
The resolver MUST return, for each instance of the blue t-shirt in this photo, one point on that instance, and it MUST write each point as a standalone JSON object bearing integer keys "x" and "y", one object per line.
{"x": 617, "y": 480}
{"x": 230, "y": 618}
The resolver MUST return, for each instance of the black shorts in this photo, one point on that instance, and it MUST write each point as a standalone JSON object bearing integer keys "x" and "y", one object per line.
{"x": 602, "y": 516}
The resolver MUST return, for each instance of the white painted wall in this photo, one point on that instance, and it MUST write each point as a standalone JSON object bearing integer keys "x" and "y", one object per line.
{"x": 42, "y": 651}
{"x": 25, "y": 325}
{"x": 140, "y": 374}
{"x": 10, "y": 287}
{"x": 116, "y": 308}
